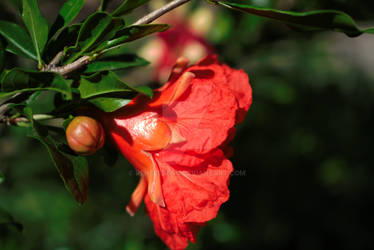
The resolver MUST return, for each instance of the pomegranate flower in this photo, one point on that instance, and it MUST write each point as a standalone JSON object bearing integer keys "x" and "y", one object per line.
{"x": 179, "y": 40}
{"x": 178, "y": 142}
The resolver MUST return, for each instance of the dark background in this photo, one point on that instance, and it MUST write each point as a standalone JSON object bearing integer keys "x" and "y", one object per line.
{"x": 303, "y": 156}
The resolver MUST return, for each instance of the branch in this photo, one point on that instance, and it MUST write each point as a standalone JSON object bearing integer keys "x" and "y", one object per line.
{"x": 67, "y": 69}
{"x": 157, "y": 13}
{"x": 84, "y": 60}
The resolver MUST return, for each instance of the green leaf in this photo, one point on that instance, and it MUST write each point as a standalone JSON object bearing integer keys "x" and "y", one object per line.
{"x": 116, "y": 25}
{"x": 67, "y": 13}
{"x": 2, "y": 56}
{"x": 37, "y": 26}
{"x": 103, "y": 83}
{"x": 18, "y": 40}
{"x": 19, "y": 80}
{"x": 127, "y": 6}
{"x": 109, "y": 104}
{"x": 72, "y": 169}
{"x": 106, "y": 83}
{"x": 65, "y": 37}
{"x": 305, "y": 21}
{"x": 116, "y": 63}
{"x": 90, "y": 32}
{"x": 132, "y": 33}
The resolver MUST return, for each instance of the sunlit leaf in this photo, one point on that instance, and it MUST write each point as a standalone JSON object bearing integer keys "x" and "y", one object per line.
{"x": 116, "y": 63}
{"x": 18, "y": 40}
{"x": 109, "y": 104}
{"x": 37, "y": 26}
{"x": 105, "y": 83}
{"x": 127, "y": 6}
{"x": 19, "y": 80}
{"x": 304, "y": 21}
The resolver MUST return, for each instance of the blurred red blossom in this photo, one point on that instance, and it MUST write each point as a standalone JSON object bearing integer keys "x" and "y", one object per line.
{"x": 185, "y": 37}
{"x": 178, "y": 142}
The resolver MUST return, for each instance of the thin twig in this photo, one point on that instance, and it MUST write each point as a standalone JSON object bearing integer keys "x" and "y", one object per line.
{"x": 157, "y": 13}
{"x": 56, "y": 60}
{"x": 67, "y": 69}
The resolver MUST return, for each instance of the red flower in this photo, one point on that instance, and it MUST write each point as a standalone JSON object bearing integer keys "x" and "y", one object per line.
{"x": 178, "y": 142}
{"x": 179, "y": 40}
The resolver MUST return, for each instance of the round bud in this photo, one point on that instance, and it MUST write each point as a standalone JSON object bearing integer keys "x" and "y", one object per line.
{"x": 85, "y": 135}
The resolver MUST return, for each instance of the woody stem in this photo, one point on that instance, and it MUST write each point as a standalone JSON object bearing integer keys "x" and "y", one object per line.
{"x": 83, "y": 61}
{"x": 159, "y": 12}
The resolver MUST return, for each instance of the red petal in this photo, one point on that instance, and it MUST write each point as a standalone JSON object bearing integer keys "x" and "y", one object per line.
{"x": 192, "y": 197}
{"x": 206, "y": 111}
{"x": 239, "y": 84}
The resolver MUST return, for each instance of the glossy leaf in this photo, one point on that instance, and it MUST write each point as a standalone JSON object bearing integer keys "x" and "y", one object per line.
{"x": 18, "y": 40}
{"x": 72, "y": 169}
{"x": 100, "y": 84}
{"x": 134, "y": 32}
{"x": 305, "y": 21}
{"x": 37, "y": 26}
{"x": 20, "y": 80}
{"x": 109, "y": 104}
{"x": 68, "y": 12}
{"x": 116, "y": 63}
{"x": 105, "y": 83}
{"x": 2, "y": 56}
{"x": 115, "y": 25}
{"x": 127, "y": 6}
{"x": 91, "y": 30}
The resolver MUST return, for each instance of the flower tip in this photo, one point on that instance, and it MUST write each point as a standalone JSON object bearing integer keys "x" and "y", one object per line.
{"x": 157, "y": 200}
{"x": 129, "y": 211}
{"x": 180, "y": 65}
{"x": 182, "y": 84}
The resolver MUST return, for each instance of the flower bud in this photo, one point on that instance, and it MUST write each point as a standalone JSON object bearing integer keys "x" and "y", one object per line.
{"x": 85, "y": 135}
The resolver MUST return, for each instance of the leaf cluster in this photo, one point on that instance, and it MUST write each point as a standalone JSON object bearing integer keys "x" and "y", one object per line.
{"x": 102, "y": 39}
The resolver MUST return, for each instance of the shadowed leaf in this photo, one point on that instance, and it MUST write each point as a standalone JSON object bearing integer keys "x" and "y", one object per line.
{"x": 19, "y": 80}
{"x": 127, "y": 6}
{"x": 68, "y": 12}
{"x": 72, "y": 169}
{"x": 116, "y": 63}
{"x": 304, "y": 21}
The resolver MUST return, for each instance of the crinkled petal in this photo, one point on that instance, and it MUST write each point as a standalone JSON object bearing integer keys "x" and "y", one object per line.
{"x": 192, "y": 197}
{"x": 239, "y": 84}
{"x": 206, "y": 112}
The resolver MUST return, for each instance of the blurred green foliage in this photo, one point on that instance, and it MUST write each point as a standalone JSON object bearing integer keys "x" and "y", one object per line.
{"x": 303, "y": 157}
